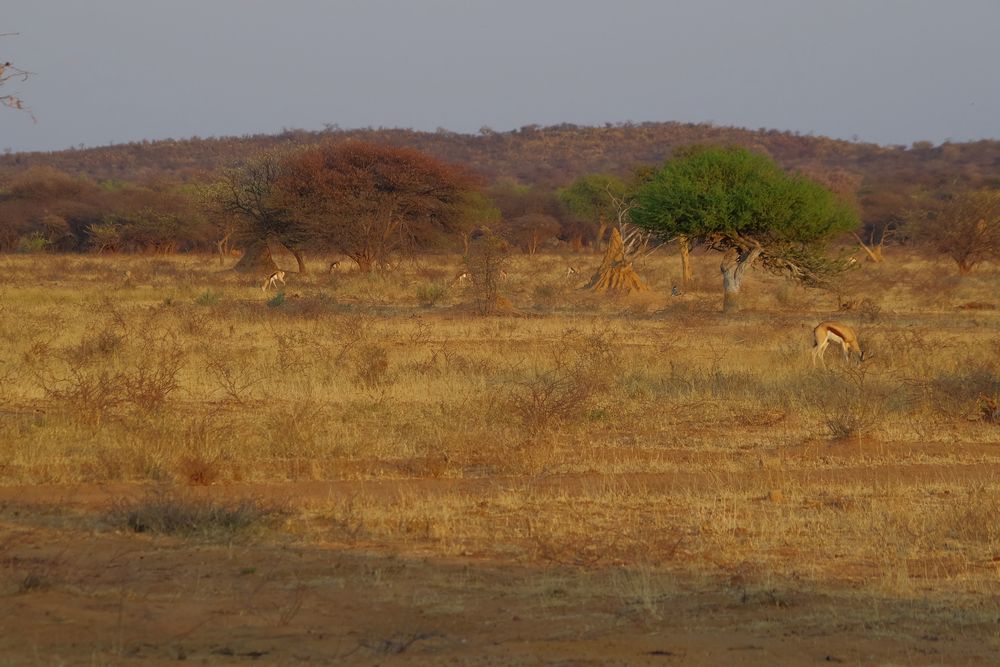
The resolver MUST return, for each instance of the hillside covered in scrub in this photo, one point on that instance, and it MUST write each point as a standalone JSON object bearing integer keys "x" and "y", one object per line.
{"x": 63, "y": 200}
{"x": 549, "y": 156}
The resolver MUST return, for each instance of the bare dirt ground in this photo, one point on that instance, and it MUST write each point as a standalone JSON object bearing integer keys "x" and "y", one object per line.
{"x": 89, "y": 594}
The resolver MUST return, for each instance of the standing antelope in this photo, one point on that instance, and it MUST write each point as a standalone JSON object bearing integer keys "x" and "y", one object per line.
{"x": 571, "y": 271}
{"x": 273, "y": 280}
{"x": 334, "y": 266}
{"x": 835, "y": 332}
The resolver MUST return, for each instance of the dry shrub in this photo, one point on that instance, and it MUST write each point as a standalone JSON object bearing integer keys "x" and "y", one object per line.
{"x": 130, "y": 447}
{"x": 642, "y": 592}
{"x": 963, "y": 384}
{"x": 935, "y": 383}
{"x": 154, "y": 376}
{"x": 171, "y": 512}
{"x": 195, "y": 323}
{"x": 297, "y": 430}
{"x": 106, "y": 343}
{"x": 582, "y": 366}
{"x": 852, "y": 400}
{"x": 199, "y": 470}
{"x": 974, "y": 518}
{"x": 205, "y": 444}
{"x": 869, "y": 310}
{"x": 552, "y": 395}
{"x": 93, "y": 389}
{"x": 233, "y": 375}
{"x": 371, "y": 371}
{"x": 208, "y": 298}
{"x": 549, "y": 293}
{"x": 488, "y": 257}
{"x": 429, "y": 294}
{"x": 350, "y": 332}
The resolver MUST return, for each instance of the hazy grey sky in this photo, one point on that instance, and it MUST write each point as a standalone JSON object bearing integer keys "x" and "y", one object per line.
{"x": 887, "y": 71}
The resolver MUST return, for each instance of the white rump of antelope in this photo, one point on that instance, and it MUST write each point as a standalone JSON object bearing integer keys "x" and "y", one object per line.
{"x": 835, "y": 332}
{"x": 273, "y": 280}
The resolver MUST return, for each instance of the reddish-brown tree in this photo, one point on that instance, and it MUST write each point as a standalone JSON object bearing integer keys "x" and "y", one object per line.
{"x": 372, "y": 202}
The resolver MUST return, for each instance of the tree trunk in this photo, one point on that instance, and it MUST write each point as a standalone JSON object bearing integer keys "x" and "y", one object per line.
{"x": 733, "y": 267}
{"x": 730, "y": 288}
{"x": 299, "y": 259}
{"x": 365, "y": 262}
{"x": 223, "y": 246}
{"x": 601, "y": 229}
{"x": 685, "y": 245}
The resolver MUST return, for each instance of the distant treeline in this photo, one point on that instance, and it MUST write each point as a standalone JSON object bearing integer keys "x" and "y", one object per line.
{"x": 145, "y": 196}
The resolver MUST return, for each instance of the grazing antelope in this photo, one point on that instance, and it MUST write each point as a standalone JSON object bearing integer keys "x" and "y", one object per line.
{"x": 273, "y": 280}
{"x": 462, "y": 278}
{"x": 835, "y": 332}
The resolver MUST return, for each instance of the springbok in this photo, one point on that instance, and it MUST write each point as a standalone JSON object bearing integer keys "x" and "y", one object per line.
{"x": 835, "y": 332}
{"x": 273, "y": 280}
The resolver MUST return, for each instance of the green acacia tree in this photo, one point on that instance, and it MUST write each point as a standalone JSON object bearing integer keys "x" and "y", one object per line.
{"x": 745, "y": 206}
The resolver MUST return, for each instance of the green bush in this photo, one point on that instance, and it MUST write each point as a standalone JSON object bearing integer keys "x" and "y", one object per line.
{"x": 32, "y": 243}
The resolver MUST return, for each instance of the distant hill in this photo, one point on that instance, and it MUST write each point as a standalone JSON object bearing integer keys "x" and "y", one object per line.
{"x": 554, "y": 156}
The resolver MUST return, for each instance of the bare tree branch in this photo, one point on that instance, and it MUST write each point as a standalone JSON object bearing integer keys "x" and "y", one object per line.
{"x": 8, "y": 72}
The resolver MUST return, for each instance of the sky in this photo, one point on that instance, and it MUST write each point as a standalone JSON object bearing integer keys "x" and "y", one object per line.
{"x": 116, "y": 71}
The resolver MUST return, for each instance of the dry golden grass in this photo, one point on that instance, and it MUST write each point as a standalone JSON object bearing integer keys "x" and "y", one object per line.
{"x": 649, "y": 435}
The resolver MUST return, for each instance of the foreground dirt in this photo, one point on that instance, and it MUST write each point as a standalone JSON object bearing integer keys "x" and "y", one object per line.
{"x": 74, "y": 590}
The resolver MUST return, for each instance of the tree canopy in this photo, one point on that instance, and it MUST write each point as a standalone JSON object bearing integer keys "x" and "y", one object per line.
{"x": 745, "y": 205}
{"x": 964, "y": 226}
{"x": 250, "y": 194}
{"x": 371, "y": 201}
{"x": 590, "y": 199}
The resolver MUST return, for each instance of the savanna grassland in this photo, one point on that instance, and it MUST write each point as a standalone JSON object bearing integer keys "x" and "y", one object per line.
{"x": 359, "y": 469}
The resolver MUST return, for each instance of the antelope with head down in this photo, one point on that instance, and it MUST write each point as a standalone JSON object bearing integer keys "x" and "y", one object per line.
{"x": 836, "y": 332}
